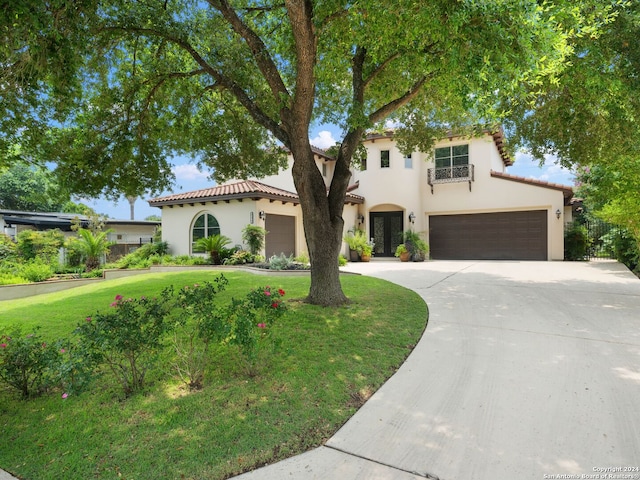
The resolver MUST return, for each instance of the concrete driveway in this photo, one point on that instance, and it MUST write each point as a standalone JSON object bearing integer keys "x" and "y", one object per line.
{"x": 527, "y": 370}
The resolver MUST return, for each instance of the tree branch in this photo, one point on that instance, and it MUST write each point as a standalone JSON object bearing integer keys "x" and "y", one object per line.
{"x": 394, "y": 105}
{"x": 221, "y": 80}
{"x": 380, "y": 68}
{"x": 256, "y": 45}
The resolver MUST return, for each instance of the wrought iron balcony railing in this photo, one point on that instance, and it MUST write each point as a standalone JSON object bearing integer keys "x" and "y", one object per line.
{"x": 458, "y": 173}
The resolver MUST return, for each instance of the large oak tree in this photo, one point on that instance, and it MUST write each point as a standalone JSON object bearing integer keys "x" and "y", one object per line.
{"x": 109, "y": 90}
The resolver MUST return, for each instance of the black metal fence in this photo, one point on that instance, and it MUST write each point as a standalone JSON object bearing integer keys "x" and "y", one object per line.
{"x": 601, "y": 236}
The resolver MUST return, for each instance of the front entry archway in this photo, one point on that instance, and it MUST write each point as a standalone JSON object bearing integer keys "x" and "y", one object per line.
{"x": 386, "y": 231}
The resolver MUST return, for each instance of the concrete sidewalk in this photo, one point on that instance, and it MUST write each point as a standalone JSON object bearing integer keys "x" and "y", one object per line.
{"x": 527, "y": 370}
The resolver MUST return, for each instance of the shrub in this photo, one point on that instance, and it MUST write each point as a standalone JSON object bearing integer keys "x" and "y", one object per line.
{"x": 342, "y": 261}
{"x": 254, "y": 236}
{"x": 576, "y": 242}
{"x": 214, "y": 246}
{"x": 240, "y": 257}
{"x": 44, "y": 245}
{"x": 201, "y": 324}
{"x": 280, "y": 262}
{"x": 624, "y": 247}
{"x": 36, "y": 271}
{"x": 8, "y": 248}
{"x": 303, "y": 259}
{"x": 252, "y": 319}
{"x": 27, "y": 363}
{"x": 128, "y": 337}
{"x": 11, "y": 279}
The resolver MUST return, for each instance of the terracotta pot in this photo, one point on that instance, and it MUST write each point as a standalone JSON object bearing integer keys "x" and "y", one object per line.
{"x": 405, "y": 256}
{"x": 365, "y": 258}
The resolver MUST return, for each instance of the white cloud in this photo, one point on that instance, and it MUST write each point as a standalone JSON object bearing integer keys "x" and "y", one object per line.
{"x": 188, "y": 172}
{"x": 549, "y": 171}
{"x": 323, "y": 140}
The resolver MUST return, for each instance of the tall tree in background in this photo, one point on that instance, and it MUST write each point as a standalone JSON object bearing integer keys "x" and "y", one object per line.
{"x": 32, "y": 189}
{"x": 230, "y": 82}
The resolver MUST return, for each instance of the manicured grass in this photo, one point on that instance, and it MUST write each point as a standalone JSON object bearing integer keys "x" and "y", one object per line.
{"x": 328, "y": 362}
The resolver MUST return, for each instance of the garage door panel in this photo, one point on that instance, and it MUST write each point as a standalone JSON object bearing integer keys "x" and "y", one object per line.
{"x": 281, "y": 235}
{"x": 489, "y": 236}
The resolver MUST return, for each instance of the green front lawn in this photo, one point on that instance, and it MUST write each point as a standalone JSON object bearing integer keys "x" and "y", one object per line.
{"x": 328, "y": 362}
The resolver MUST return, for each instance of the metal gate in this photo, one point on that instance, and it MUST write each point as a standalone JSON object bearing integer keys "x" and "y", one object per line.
{"x": 601, "y": 242}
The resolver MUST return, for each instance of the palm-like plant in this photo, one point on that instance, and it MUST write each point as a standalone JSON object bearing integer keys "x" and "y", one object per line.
{"x": 92, "y": 246}
{"x": 213, "y": 245}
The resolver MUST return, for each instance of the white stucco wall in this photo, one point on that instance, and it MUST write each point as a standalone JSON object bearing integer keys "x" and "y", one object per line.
{"x": 177, "y": 222}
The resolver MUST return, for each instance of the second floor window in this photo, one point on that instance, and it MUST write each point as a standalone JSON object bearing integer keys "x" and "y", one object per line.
{"x": 384, "y": 159}
{"x": 454, "y": 156}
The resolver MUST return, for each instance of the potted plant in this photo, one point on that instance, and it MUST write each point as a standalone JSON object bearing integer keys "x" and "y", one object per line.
{"x": 356, "y": 240}
{"x": 417, "y": 247}
{"x": 402, "y": 253}
{"x": 366, "y": 251}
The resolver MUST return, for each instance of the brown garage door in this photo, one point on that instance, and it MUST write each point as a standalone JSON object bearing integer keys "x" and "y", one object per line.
{"x": 281, "y": 236}
{"x": 489, "y": 236}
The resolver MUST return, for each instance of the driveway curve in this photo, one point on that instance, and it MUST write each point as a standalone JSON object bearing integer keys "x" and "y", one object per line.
{"x": 527, "y": 370}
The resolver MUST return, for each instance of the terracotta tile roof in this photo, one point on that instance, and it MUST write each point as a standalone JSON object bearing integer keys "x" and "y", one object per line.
{"x": 566, "y": 190}
{"x": 251, "y": 189}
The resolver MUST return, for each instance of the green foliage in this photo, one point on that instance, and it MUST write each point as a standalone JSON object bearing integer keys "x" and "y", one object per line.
{"x": 254, "y": 236}
{"x": 214, "y": 246}
{"x": 356, "y": 239}
{"x": 36, "y": 270}
{"x": 128, "y": 338}
{"x": 28, "y": 363}
{"x": 92, "y": 246}
{"x": 303, "y": 259}
{"x": 30, "y": 189}
{"x": 417, "y": 247}
{"x": 400, "y": 249}
{"x": 8, "y": 248}
{"x": 7, "y": 278}
{"x": 252, "y": 319}
{"x": 280, "y": 262}
{"x": 240, "y": 257}
{"x": 576, "y": 242}
{"x": 625, "y": 248}
{"x": 342, "y": 260}
{"x": 45, "y": 245}
{"x": 201, "y": 323}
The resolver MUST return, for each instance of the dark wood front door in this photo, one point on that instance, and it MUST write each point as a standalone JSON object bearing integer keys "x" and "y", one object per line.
{"x": 386, "y": 231}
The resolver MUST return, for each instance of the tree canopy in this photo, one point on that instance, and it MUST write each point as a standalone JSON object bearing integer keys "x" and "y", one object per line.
{"x": 108, "y": 90}
{"x": 27, "y": 188}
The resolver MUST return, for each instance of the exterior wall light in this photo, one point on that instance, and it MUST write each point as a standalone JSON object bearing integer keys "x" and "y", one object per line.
{"x": 558, "y": 213}
{"x": 262, "y": 215}
{"x": 360, "y": 218}
{"x": 412, "y": 218}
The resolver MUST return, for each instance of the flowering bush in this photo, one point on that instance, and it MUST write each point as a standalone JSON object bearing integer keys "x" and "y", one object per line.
{"x": 128, "y": 337}
{"x": 201, "y": 323}
{"x": 28, "y": 363}
{"x": 253, "y": 317}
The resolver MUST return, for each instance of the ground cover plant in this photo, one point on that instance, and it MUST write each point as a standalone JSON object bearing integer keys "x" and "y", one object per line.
{"x": 317, "y": 368}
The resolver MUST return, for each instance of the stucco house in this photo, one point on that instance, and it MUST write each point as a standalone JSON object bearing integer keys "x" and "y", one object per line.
{"x": 459, "y": 195}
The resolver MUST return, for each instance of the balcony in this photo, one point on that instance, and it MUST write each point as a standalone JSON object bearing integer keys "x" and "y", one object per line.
{"x": 455, "y": 174}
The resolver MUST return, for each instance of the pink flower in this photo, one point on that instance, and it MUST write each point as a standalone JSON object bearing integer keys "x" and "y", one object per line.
{"x": 114, "y": 304}
{"x": 261, "y": 325}
{"x": 119, "y": 297}
{"x": 88, "y": 319}
{"x": 65, "y": 395}
{"x": 62, "y": 350}
{"x": 267, "y": 293}
{"x": 3, "y": 345}
{"x": 281, "y": 292}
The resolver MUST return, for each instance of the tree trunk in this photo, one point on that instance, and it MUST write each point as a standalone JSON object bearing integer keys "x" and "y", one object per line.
{"x": 323, "y": 227}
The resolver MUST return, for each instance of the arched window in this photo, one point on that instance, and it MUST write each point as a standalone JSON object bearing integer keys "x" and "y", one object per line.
{"x": 205, "y": 225}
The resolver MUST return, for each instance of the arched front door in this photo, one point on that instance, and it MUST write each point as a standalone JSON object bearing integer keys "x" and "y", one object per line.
{"x": 386, "y": 231}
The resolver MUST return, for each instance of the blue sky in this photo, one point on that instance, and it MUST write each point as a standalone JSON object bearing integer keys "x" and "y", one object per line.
{"x": 188, "y": 177}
